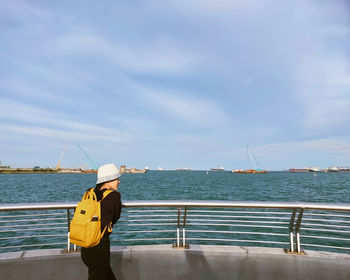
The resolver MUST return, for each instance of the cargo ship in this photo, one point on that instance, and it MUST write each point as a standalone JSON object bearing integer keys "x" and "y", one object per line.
{"x": 296, "y": 170}
{"x": 344, "y": 169}
{"x": 250, "y": 171}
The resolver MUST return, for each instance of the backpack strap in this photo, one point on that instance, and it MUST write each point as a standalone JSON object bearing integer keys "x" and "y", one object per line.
{"x": 105, "y": 193}
{"x": 109, "y": 226}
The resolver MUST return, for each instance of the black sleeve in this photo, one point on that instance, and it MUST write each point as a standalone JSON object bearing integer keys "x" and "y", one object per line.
{"x": 111, "y": 207}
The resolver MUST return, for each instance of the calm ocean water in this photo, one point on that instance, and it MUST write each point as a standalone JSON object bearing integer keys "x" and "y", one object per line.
{"x": 183, "y": 185}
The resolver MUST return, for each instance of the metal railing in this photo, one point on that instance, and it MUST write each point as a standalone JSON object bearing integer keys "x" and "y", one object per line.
{"x": 294, "y": 226}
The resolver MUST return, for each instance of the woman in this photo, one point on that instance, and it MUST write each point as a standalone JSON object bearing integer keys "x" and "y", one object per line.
{"x": 97, "y": 258}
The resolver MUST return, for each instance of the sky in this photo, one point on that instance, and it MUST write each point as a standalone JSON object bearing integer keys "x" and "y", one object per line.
{"x": 175, "y": 84}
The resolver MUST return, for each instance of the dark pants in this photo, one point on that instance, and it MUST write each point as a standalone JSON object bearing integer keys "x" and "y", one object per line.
{"x": 97, "y": 259}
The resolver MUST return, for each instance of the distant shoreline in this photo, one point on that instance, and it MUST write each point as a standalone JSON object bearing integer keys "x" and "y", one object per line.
{"x": 36, "y": 171}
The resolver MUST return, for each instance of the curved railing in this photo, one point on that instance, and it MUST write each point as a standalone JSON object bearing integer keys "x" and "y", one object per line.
{"x": 293, "y": 226}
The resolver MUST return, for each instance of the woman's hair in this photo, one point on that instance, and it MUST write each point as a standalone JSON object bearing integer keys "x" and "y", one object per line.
{"x": 98, "y": 192}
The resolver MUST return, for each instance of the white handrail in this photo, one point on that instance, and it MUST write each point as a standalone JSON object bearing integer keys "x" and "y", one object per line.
{"x": 186, "y": 203}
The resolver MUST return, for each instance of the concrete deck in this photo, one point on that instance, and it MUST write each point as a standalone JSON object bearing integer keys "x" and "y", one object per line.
{"x": 164, "y": 262}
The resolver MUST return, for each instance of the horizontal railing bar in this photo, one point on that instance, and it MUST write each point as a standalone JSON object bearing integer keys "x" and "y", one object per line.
{"x": 22, "y": 229}
{"x": 325, "y": 220}
{"x": 148, "y": 220}
{"x": 329, "y": 215}
{"x": 323, "y": 237}
{"x": 238, "y": 240}
{"x": 250, "y": 217}
{"x": 54, "y": 224}
{"x": 237, "y": 204}
{"x": 33, "y": 215}
{"x": 32, "y": 220}
{"x": 238, "y": 212}
{"x": 235, "y": 225}
{"x": 136, "y": 225}
{"x": 237, "y": 232}
{"x": 32, "y": 245}
{"x": 144, "y": 239}
{"x": 322, "y": 225}
{"x": 187, "y": 203}
{"x": 140, "y": 216}
{"x": 325, "y": 246}
{"x": 325, "y": 230}
{"x": 238, "y": 221}
{"x": 33, "y": 236}
{"x": 127, "y": 210}
{"x": 37, "y": 206}
{"x": 144, "y": 231}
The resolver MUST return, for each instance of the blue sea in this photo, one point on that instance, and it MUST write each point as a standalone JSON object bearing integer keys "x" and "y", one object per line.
{"x": 183, "y": 185}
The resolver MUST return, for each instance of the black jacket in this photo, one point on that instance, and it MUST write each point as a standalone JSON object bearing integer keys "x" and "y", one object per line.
{"x": 111, "y": 207}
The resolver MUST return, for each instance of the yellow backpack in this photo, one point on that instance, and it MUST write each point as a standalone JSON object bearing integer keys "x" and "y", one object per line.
{"x": 85, "y": 228}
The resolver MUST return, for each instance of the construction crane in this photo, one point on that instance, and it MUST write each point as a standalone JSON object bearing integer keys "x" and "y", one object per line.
{"x": 59, "y": 162}
{"x": 95, "y": 166}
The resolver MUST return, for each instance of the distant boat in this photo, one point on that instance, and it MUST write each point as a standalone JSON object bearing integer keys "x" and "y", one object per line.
{"x": 250, "y": 171}
{"x": 160, "y": 168}
{"x": 296, "y": 170}
{"x": 256, "y": 168}
{"x": 344, "y": 169}
{"x": 332, "y": 169}
{"x": 217, "y": 169}
{"x": 314, "y": 169}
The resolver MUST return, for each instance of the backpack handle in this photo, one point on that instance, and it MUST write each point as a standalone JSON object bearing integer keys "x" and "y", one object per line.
{"x": 90, "y": 193}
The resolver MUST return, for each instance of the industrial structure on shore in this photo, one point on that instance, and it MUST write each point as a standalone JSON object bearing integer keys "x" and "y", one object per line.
{"x": 317, "y": 169}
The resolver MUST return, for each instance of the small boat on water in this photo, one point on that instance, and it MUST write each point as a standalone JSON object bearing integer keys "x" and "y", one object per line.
{"x": 314, "y": 169}
{"x": 250, "y": 171}
{"x": 217, "y": 169}
{"x": 256, "y": 169}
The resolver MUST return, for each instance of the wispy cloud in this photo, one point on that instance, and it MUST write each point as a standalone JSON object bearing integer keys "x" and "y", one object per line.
{"x": 161, "y": 55}
{"x": 29, "y": 120}
{"x": 191, "y": 110}
{"x": 322, "y": 70}
{"x": 22, "y": 11}
{"x": 324, "y": 90}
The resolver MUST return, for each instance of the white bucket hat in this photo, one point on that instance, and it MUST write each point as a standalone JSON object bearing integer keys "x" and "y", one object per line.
{"x": 107, "y": 172}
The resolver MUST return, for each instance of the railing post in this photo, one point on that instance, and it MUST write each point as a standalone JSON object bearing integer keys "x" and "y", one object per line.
{"x": 291, "y": 226}
{"x": 178, "y": 228}
{"x": 297, "y": 230}
{"x": 184, "y": 230}
{"x": 68, "y": 220}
